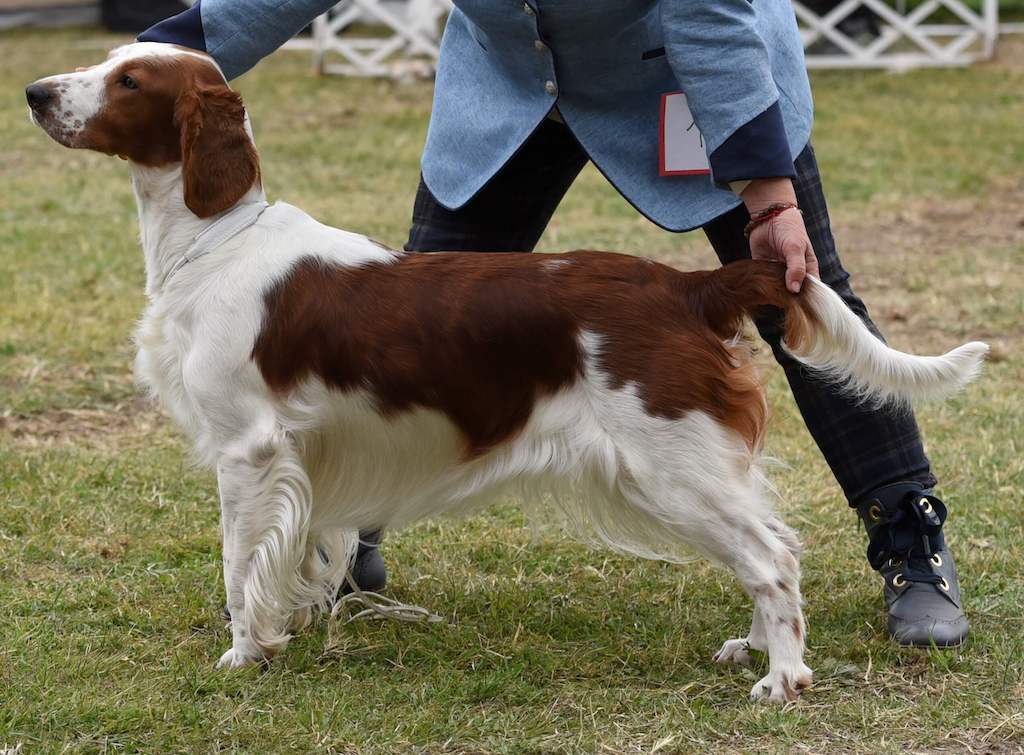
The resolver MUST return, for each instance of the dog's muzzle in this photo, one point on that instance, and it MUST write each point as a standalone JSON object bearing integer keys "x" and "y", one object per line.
{"x": 39, "y": 97}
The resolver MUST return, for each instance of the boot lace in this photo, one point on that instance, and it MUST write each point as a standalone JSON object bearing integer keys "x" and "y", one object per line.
{"x": 910, "y": 533}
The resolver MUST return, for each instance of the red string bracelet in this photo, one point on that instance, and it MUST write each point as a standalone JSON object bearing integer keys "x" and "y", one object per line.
{"x": 769, "y": 212}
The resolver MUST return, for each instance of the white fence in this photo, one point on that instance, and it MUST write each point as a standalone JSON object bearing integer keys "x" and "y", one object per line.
{"x": 399, "y": 38}
{"x": 895, "y": 36}
{"x": 392, "y": 38}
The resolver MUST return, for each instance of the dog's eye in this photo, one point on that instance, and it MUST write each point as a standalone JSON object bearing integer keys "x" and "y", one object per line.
{"x": 128, "y": 82}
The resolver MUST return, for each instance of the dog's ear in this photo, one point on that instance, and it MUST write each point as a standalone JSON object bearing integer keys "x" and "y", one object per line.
{"x": 219, "y": 163}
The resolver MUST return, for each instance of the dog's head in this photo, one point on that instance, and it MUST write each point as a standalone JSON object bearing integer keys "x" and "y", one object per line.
{"x": 156, "y": 105}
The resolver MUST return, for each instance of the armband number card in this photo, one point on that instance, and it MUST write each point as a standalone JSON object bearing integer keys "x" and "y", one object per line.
{"x": 681, "y": 144}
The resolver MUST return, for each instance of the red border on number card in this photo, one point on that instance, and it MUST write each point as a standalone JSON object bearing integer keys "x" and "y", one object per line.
{"x": 661, "y": 145}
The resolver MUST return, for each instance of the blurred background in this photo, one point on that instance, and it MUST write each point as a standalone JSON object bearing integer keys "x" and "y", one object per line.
{"x": 837, "y": 33}
{"x": 110, "y": 573}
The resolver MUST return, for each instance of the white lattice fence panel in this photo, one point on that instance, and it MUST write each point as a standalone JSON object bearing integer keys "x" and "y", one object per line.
{"x": 401, "y": 37}
{"x": 931, "y": 33}
{"x": 392, "y": 37}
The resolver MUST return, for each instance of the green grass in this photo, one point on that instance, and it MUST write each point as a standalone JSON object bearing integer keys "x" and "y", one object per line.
{"x": 109, "y": 551}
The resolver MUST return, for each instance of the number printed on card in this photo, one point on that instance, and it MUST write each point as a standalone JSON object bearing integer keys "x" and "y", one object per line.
{"x": 681, "y": 148}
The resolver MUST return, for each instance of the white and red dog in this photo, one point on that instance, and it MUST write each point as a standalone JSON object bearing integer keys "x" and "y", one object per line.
{"x": 337, "y": 385}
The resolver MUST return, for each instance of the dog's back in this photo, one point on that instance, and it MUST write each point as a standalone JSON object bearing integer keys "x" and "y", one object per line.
{"x": 480, "y": 338}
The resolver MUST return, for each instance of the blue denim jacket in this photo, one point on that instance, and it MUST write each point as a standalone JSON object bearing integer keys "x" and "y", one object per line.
{"x": 605, "y": 64}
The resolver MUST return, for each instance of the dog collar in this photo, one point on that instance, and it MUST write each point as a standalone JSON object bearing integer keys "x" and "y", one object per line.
{"x": 227, "y": 226}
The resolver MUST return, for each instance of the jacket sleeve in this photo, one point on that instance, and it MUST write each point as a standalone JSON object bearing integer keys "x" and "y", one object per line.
{"x": 722, "y": 64}
{"x": 238, "y": 33}
{"x": 184, "y": 29}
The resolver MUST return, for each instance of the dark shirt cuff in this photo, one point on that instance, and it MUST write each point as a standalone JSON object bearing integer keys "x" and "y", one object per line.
{"x": 757, "y": 149}
{"x": 184, "y": 29}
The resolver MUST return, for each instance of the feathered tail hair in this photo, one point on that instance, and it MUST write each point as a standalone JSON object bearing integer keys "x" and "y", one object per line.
{"x": 823, "y": 333}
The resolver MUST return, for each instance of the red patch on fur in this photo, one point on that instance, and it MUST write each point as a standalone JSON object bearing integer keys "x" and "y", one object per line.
{"x": 480, "y": 337}
{"x": 181, "y": 111}
{"x": 219, "y": 163}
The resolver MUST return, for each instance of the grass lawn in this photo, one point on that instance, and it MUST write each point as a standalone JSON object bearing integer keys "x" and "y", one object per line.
{"x": 110, "y": 586}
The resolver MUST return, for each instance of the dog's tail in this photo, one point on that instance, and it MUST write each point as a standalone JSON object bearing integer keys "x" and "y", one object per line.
{"x": 825, "y": 335}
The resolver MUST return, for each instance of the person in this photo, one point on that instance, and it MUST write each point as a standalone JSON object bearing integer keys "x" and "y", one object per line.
{"x": 527, "y": 93}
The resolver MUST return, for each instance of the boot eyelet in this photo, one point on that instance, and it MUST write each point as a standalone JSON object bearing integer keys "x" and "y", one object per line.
{"x": 937, "y": 560}
{"x": 944, "y": 584}
{"x": 899, "y": 581}
{"x": 925, "y": 505}
{"x": 875, "y": 513}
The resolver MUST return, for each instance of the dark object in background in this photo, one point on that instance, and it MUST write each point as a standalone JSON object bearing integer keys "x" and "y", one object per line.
{"x": 138, "y": 15}
{"x": 48, "y": 13}
{"x": 861, "y": 26}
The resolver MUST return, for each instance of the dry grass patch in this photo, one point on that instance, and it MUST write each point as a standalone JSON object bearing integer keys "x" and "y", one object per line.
{"x": 132, "y": 424}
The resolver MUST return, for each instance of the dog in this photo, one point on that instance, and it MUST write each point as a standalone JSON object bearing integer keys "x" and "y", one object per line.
{"x": 336, "y": 385}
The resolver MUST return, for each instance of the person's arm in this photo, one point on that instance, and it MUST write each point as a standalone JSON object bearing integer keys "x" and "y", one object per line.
{"x": 722, "y": 64}
{"x": 237, "y": 33}
{"x": 184, "y": 29}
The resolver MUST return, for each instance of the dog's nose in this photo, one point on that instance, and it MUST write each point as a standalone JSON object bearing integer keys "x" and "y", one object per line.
{"x": 38, "y": 96}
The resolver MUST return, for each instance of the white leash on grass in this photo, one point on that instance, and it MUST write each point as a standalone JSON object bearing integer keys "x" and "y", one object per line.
{"x": 380, "y": 606}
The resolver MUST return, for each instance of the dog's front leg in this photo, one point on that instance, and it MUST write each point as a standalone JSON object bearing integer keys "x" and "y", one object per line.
{"x": 265, "y": 506}
{"x": 237, "y": 546}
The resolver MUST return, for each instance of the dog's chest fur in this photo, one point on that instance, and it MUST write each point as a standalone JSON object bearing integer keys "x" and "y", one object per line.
{"x": 162, "y": 349}
{"x": 196, "y": 336}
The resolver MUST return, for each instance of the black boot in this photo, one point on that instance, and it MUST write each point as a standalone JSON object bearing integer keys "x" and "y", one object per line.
{"x": 368, "y": 568}
{"x": 906, "y": 546}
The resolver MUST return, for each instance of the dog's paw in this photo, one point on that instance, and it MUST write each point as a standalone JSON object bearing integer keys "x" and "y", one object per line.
{"x": 735, "y": 652}
{"x": 782, "y": 686}
{"x": 235, "y": 658}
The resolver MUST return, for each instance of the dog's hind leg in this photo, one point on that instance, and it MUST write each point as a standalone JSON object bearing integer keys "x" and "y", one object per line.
{"x": 737, "y": 651}
{"x": 774, "y": 585}
{"x": 266, "y": 502}
{"x": 758, "y": 549}
{"x": 769, "y": 571}
{"x": 692, "y": 483}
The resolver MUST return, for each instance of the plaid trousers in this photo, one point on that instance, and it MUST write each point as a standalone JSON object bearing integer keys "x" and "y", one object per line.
{"x": 865, "y": 448}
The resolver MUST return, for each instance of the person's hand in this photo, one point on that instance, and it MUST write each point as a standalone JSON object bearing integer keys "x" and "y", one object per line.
{"x": 783, "y": 238}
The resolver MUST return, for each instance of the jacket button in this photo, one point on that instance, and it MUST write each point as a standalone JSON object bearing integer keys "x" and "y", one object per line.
{"x": 539, "y": 46}
{"x": 550, "y": 88}
{"x": 527, "y": 9}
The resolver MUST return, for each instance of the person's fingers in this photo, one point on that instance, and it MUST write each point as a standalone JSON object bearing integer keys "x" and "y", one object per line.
{"x": 812, "y": 261}
{"x": 785, "y": 239}
{"x": 796, "y": 264}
